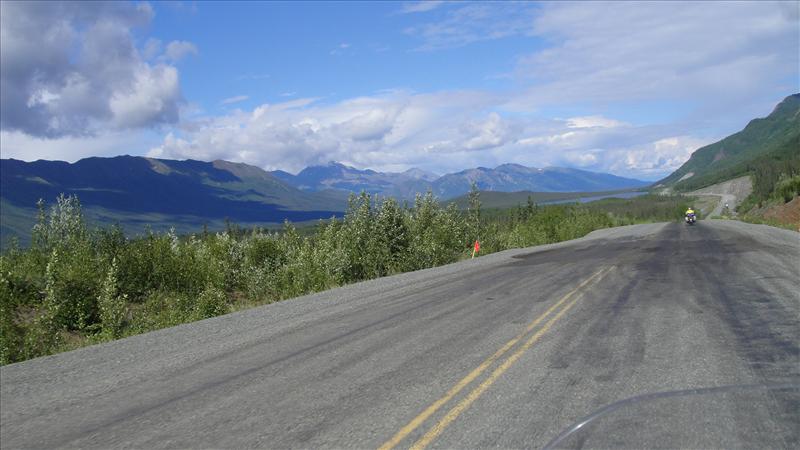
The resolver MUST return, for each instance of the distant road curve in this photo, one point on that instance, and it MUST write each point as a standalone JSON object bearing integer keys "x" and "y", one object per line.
{"x": 731, "y": 193}
{"x": 502, "y": 351}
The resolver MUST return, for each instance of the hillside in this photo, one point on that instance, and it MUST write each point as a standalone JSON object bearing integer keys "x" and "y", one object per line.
{"x": 767, "y": 151}
{"x": 769, "y": 140}
{"x": 140, "y": 192}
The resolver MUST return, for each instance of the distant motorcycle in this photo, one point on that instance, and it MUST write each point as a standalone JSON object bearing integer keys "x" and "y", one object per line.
{"x": 691, "y": 219}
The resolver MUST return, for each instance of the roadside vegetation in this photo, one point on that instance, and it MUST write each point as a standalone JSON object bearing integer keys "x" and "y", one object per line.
{"x": 75, "y": 286}
{"x": 776, "y": 187}
{"x": 773, "y": 185}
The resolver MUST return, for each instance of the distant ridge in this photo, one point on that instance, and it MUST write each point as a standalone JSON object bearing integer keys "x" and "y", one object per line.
{"x": 503, "y": 178}
{"x": 139, "y": 192}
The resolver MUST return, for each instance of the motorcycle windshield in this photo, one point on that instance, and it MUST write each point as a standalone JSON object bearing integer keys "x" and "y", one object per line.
{"x": 746, "y": 417}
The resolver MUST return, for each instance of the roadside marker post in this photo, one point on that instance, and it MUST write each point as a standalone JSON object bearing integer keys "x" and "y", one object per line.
{"x": 476, "y": 248}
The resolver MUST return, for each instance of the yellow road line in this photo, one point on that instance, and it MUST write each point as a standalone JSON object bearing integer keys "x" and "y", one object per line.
{"x": 424, "y": 415}
{"x": 472, "y": 396}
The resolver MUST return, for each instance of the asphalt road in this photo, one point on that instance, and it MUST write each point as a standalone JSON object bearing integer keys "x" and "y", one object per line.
{"x": 504, "y": 351}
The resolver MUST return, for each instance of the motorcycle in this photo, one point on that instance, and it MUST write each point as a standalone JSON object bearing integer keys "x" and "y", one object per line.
{"x": 691, "y": 219}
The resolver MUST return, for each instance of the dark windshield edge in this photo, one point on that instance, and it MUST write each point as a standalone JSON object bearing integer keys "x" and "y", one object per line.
{"x": 656, "y": 395}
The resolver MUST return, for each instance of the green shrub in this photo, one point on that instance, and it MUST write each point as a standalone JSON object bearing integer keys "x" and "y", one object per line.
{"x": 211, "y": 303}
{"x": 161, "y": 309}
{"x": 260, "y": 284}
{"x": 72, "y": 287}
{"x": 11, "y": 335}
{"x": 113, "y": 307}
{"x": 787, "y": 188}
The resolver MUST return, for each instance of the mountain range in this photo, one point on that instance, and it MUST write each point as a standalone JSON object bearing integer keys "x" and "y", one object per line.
{"x": 503, "y": 178}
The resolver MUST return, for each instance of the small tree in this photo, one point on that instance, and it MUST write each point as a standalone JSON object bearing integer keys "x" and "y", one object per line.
{"x": 210, "y": 303}
{"x": 112, "y": 305}
{"x": 474, "y": 213}
{"x": 392, "y": 233}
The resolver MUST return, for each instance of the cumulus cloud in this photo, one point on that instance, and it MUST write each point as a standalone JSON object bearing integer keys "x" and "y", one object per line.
{"x": 72, "y": 69}
{"x": 445, "y": 131}
{"x": 177, "y": 50}
{"x": 652, "y": 160}
{"x": 489, "y": 133}
{"x": 645, "y": 152}
{"x": 376, "y": 131}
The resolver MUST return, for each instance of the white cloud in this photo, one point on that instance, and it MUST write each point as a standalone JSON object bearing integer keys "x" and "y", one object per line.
{"x": 390, "y": 128}
{"x": 445, "y": 131}
{"x": 152, "y": 48}
{"x": 236, "y": 99}
{"x": 583, "y": 159}
{"x": 474, "y": 22}
{"x": 645, "y": 152}
{"x": 593, "y": 121}
{"x": 154, "y": 96}
{"x": 729, "y": 60}
{"x": 177, "y": 50}
{"x": 727, "y": 54}
{"x": 72, "y": 69}
{"x": 18, "y": 145}
{"x": 420, "y": 6}
{"x": 654, "y": 159}
{"x": 489, "y": 133}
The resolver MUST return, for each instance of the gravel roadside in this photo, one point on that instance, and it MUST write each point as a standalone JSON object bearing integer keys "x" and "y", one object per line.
{"x": 731, "y": 193}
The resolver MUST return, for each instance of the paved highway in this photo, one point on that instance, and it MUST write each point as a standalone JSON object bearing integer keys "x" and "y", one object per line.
{"x": 503, "y": 351}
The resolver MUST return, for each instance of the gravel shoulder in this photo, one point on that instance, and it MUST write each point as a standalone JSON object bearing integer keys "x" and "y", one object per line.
{"x": 731, "y": 192}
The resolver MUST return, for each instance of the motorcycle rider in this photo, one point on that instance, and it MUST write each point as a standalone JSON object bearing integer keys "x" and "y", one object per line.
{"x": 689, "y": 213}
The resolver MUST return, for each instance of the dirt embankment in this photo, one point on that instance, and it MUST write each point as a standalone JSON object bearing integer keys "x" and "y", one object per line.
{"x": 788, "y": 213}
{"x": 730, "y": 193}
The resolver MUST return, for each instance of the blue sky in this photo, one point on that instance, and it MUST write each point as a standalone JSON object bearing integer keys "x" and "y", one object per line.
{"x": 630, "y": 88}
{"x": 330, "y": 50}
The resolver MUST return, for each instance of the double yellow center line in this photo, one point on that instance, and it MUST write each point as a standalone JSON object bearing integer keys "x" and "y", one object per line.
{"x": 565, "y": 303}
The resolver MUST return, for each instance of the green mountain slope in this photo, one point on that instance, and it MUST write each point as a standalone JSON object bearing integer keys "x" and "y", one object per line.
{"x": 773, "y": 141}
